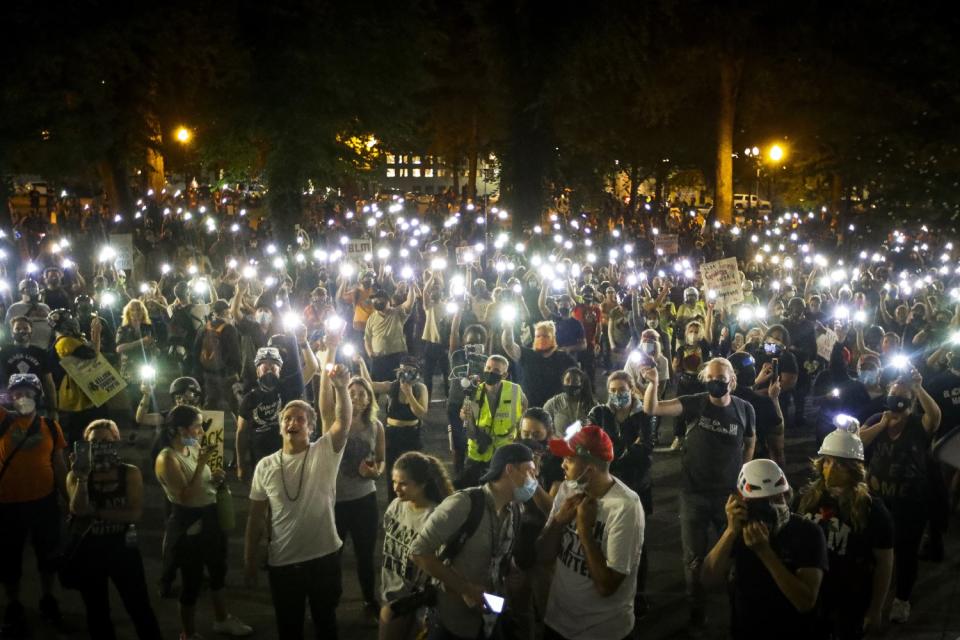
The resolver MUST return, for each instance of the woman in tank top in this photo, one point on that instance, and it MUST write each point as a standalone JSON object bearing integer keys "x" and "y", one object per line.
{"x": 106, "y": 497}
{"x": 193, "y": 538}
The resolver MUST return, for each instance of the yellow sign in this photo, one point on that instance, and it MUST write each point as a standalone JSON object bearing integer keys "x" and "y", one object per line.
{"x": 96, "y": 377}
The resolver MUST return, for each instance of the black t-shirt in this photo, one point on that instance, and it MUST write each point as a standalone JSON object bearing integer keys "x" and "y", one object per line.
{"x": 543, "y": 377}
{"x": 261, "y": 410}
{"x": 56, "y": 299}
{"x": 851, "y": 552}
{"x": 898, "y": 468}
{"x": 760, "y": 610}
{"x": 28, "y": 359}
{"x": 713, "y": 447}
{"x": 945, "y": 390}
{"x": 767, "y": 419}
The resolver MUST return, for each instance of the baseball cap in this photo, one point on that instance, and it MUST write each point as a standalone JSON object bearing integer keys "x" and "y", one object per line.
{"x": 221, "y": 306}
{"x": 590, "y": 441}
{"x": 513, "y": 453}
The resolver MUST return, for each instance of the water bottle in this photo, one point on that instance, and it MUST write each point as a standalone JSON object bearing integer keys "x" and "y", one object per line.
{"x": 130, "y": 538}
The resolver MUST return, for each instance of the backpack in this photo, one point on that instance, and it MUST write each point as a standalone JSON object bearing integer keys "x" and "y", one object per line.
{"x": 211, "y": 355}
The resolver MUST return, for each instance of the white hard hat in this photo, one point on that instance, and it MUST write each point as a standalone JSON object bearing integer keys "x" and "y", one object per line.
{"x": 761, "y": 478}
{"x": 845, "y": 441}
{"x": 691, "y": 291}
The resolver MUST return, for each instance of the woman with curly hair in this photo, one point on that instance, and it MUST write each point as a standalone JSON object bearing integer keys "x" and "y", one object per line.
{"x": 859, "y": 534}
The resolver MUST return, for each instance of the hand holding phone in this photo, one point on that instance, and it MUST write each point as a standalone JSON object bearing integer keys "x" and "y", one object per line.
{"x": 81, "y": 458}
{"x": 776, "y": 368}
{"x": 493, "y": 603}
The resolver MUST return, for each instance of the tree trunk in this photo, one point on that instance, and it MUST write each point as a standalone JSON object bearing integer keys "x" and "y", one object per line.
{"x": 455, "y": 168}
{"x": 113, "y": 175}
{"x": 634, "y": 179}
{"x": 726, "y": 116}
{"x": 473, "y": 158}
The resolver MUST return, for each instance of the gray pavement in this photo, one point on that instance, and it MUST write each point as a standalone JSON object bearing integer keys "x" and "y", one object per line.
{"x": 936, "y": 614}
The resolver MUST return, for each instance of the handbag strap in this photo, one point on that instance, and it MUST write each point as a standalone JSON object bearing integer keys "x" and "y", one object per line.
{"x": 33, "y": 430}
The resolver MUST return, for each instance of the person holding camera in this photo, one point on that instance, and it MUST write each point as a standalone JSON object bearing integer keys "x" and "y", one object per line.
{"x": 297, "y": 487}
{"x": 106, "y": 495}
{"x": 466, "y": 366}
{"x": 421, "y": 483}
{"x": 407, "y": 406}
{"x": 193, "y": 539}
{"x": 773, "y": 560}
{"x": 32, "y": 474}
{"x": 383, "y": 336}
{"x": 720, "y": 436}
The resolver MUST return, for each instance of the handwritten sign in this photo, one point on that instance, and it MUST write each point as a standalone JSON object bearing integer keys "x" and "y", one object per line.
{"x": 122, "y": 243}
{"x": 722, "y": 277}
{"x": 356, "y": 249}
{"x": 669, "y": 243}
{"x": 825, "y": 342}
{"x": 213, "y": 435}
{"x": 96, "y": 377}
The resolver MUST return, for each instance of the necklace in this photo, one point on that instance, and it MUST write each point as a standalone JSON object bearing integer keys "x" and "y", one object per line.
{"x": 283, "y": 478}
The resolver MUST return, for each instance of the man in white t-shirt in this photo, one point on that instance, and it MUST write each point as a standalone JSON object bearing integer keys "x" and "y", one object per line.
{"x": 298, "y": 485}
{"x": 593, "y": 536}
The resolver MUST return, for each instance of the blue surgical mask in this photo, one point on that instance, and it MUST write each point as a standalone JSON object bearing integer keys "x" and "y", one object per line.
{"x": 189, "y": 441}
{"x": 527, "y": 491}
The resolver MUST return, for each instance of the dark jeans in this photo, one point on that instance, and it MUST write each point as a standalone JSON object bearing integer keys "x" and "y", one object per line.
{"x": 698, "y": 512}
{"x": 38, "y": 519}
{"x": 218, "y": 392}
{"x": 124, "y": 567}
{"x": 435, "y": 360}
{"x": 292, "y": 585}
{"x": 908, "y": 525}
{"x": 550, "y": 634}
{"x": 399, "y": 440}
{"x": 384, "y": 368}
{"x": 359, "y": 519}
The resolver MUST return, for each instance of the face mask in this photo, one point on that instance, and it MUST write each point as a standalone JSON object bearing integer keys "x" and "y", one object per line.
{"x": 534, "y": 445}
{"x": 690, "y": 301}
{"x": 619, "y": 400}
{"x": 572, "y": 389}
{"x": 269, "y": 381}
{"x": 774, "y": 515}
{"x": 544, "y": 343}
{"x": 649, "y": 348}
{"x": 577, "y": 485}
{"x": 564, "y": 311}
{"x": 492, "y": 377}
{"x": 380, "y": 305}
{"x": 25, "y": 406}
{"x": 525, "y": 492}
{"x": 263, "y": 317}
{"x": 190, "y": 441}
{"x": 718, "y": 388}
{"x": 653, "y": 324}
{"x": 869, "y": 376}
{"x": 898, "y": 404}
{"x": 21, "y": 337}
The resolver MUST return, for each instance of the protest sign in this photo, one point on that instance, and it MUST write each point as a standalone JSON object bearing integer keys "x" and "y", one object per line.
{"x": 356, "y": 249}
{"x": 213, "y": 436}
{"x": 825, "y": 342}
{"x": 122, "y": 243}
{"x": 669, "y": 243}
{"x": 467, "y": 255}
{"x": 722, "y": 278}
{"x": 96, "y": 377}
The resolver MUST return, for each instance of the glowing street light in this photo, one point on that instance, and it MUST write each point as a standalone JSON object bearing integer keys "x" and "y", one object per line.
{"x": 776, "y": 153}
{"x": 183, "y": 135}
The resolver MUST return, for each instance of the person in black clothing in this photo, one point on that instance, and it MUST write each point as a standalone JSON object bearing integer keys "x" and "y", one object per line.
{"x": 536, "y": 428}
{"x": 777, "y": 347}
{"x": 778, "y": 559}
{"x": 54, "y": 295}
{"x": 23, "y": 357}
{"x": 631, "y": 432}
{"x": 258, "y": 429}
{"x": 769, "y": 417}
{"x": 898, "y": 442}
{"x": 216, "y": 352}
{"x": 542, "y": 366}
{"x": 86, "y": 312}
{"x": 859, "y": 533}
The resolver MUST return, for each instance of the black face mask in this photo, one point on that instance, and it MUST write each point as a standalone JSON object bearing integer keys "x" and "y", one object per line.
{"x": 572, "y": 389}
{"x": 717, "y": 388}
{"x": 21, "y": 337}
{"x": 898, "y": 404}
{"x": 537, "y": 446}
{"x": 269, "y": 381}
{"x": 564, "y": 311}
{"x": 492, "y": 377}
{"x": 380, "y": 305}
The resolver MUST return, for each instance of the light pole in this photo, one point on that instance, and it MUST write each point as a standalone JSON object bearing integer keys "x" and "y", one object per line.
{"x": 754, "y": 152}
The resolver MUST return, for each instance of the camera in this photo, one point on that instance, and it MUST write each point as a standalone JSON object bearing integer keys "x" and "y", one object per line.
{"x": 772, "y": 348}
{"x": 408, "y": 375}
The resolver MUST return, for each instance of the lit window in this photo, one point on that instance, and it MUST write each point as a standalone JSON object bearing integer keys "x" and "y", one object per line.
{"x": 415, "y": 160}
{"x": 391, "y": 159}
{"x": 428, "y": 173}
{"x": 439, "y": 173}
{"x": 403, "y": 172}
{"x": 415, "y": 172}
{"x": 391, "y": 172}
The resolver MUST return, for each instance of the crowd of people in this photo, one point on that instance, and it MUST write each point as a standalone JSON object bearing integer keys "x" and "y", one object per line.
{"x": 569, "y": 356}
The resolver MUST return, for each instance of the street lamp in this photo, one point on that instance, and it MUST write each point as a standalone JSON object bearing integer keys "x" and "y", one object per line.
{"x": 183, "y": 135}
{"x": 776, "y": 153}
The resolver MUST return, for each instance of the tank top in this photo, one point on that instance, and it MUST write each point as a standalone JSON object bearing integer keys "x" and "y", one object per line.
{"x": 109, "y": 494}
{"x": 399, "y": 410}
{"x": 360, "y": 446}
{"x": 188, "y": 463}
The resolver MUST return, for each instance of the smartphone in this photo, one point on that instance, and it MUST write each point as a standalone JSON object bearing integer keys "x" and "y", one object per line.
{"x": 770, "y": 348}
{"x": 493, "y": 602}
{"x": 776, "y": 368}
{"x": 81, "y": 452}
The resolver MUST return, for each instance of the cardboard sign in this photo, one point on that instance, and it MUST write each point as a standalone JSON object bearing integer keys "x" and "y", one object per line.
{"x": 467, "y": 255}
{"x": 722, "y": 277}
{"x": 356, "y": 249}
{"x": 213, "y": 435}
{"x": 122, "y": 243}
{"x": 668, "y": 242}
{"x": 96, "y": 377}
{"x": 825, "y": 344}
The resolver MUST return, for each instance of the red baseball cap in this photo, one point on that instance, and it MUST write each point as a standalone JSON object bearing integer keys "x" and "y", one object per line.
{"x": 591, "y": 441}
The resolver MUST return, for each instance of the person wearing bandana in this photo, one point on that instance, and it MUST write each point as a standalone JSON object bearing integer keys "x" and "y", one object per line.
{"x": 772, "y": 560}
{"x": 543, "y": 365}
{"x": 258, "y": 429}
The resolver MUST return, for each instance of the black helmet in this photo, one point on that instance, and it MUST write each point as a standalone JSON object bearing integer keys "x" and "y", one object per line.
{"x": 182, "y": 385}
{"x": 744, "y": 366}
{"x": 59, "y": 319}
{"x": 83, "y": 299}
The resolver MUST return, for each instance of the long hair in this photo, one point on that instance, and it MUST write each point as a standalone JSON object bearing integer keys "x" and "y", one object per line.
{"x": 143, "y": 311}
{"x": 854, "y": 504}
{"x": 428, "y": 472}
{"x": 586, "y": 389}
{"x": 372, "y": 408}
{"x": 180, "y": 417}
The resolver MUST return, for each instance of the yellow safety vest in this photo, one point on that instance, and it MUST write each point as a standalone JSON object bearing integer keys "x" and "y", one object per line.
{"x": 502, "y": 425}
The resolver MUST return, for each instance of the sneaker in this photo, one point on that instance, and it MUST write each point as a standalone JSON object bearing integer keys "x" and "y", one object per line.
{"x": 676, "y": 445}
{"x": 231, "y": 626}
{"x": 899, "y": 611}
